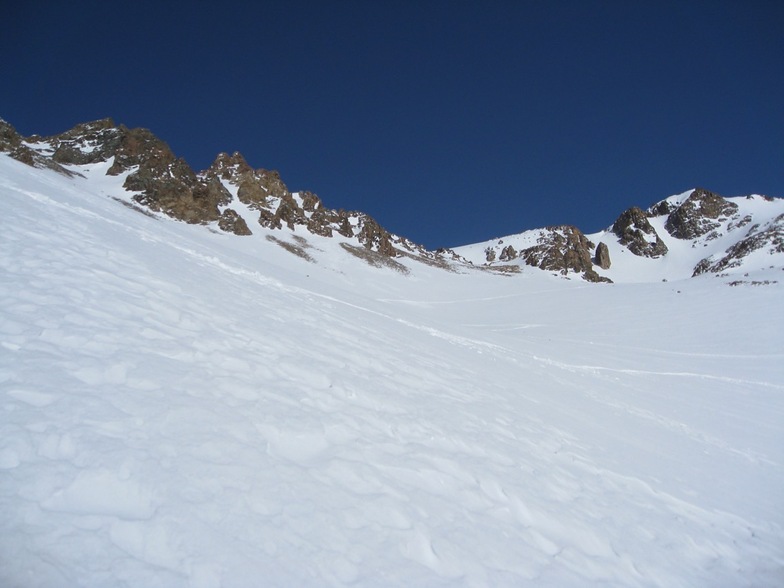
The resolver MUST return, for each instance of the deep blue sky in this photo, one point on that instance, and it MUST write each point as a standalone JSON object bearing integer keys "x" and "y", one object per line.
{"x": 449, "y": 122}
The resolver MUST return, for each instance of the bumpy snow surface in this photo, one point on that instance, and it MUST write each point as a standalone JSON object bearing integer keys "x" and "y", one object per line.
{"x": 180, "y": 407}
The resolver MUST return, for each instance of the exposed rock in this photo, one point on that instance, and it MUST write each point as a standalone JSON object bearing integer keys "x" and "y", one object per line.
{"x": 661, "y": 208}
{"x": 636, "y": 233}
{"x": 602, "y": 256}
{"x": 700, "y": 213}
{"x": 231, "y": 222}
{"x": 9, "y": 138}
{"x": 375, "y": 258}
{"x": 164, "y": 183}
{"x": 289, "y": 212}
{"x": 310, "y": 202}
{"x": 445, "y": 253}
{"x": 252, "y": 193}
{"x": 322, "y": 220}
{"x": 563, "y": 248}
{"x": 739, "y": 223}
{"x": 90, "y": 142}
{"x": 228, "y": 167}
{"x": 490, "y": 254}
{"x": 508, "y": 253}
{"x": 771, "y": 237}
{"x": 374, "y": 237}
{"x": 13, "y": 143}
{"x": 296, "y": 249}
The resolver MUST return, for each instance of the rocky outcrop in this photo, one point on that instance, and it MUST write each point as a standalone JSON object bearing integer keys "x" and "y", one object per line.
{"x": 374, "y": 236}
{"x": 9, "y": 138}
{"x": 223, "y": 194}
{"x": 164, "y": 183}
{"x": 636, "y": 233}
{"x": 770, "y": 237}
{"x": 231, "y": 222}
{"x": 87, "y": 143}
{"x": 263, "y": 190}
{"x": 12, "y": 143}
{"x": 562, "y": 249}
{"x": 602, "y": 256}
{"x": 662, "y": 208}
{"x": 701, "y": 213}
{"x": 508, "y": 253}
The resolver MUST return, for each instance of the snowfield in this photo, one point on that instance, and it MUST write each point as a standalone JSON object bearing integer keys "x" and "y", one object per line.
{"x": 181, "y": 407}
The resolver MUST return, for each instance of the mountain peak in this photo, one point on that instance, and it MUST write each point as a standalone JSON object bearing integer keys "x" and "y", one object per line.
{"x": 236, "y": 198}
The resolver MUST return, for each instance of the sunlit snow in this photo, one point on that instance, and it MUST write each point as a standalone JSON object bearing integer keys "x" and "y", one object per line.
{"x": 182, "y": 407}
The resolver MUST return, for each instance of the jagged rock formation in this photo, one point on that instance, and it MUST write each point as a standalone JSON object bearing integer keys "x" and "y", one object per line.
{"x": 561, "y": 249}
{"x": 602, "y": 256}
{"x": 164, "y": 183}
{"x": 636, "y": 233}
{"x": 14, "y": 145}
{"x": 699, "y": 214}
{"x": 264, "y": 191}
{"x": 770, "y": 237}
{"x": 233, "y": 197}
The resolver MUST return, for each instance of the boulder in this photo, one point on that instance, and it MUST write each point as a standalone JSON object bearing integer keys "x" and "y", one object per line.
{"x": 602, "y": 256}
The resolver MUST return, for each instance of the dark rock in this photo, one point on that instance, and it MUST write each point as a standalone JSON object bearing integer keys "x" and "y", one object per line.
{"x": 700, "y": 213}
{"x": 164, "y": 182}
{"x": 12, "y": 143}
{"x": 661, "y": 208}
{"x": 9, "y": 138}
{"x": 563, "y": 248}
{"x": 91, "y": 142}
{"x": 490, "y": 254}
{"x": 375, "y": 258}
{"x": 771, "y": 237}
{"x": 231, "y": 222}
{"x": 310, "y": 202}
{"x": 374, "y": 236}
{"x": 602, "y": 256}
{"x": 636, "y": 233}
{"x": 508, "y": 253}
{"x": 321, "y": 222}
{"x": 228, "y": 167}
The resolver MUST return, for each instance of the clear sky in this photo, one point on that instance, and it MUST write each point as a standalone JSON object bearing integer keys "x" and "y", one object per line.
{"x": 449, "y": 122}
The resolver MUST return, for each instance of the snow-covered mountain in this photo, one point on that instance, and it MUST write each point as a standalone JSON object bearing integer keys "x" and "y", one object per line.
{"x": 323, "y": 403}
{"x": 693, "y": 233}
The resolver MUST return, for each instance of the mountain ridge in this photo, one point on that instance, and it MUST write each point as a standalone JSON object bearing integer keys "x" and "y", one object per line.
{"x": 238, "y": 199}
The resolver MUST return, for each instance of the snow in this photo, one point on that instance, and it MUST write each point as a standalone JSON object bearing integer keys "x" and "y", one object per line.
{"x": 187, "y": 408}
{"x": 683, "y": 256}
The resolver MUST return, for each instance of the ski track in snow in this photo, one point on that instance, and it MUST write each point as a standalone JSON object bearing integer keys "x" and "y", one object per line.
{"x": 177, "y": 413}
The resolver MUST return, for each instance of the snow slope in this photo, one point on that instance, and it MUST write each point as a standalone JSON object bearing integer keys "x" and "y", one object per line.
{"x": 182, "y": 407}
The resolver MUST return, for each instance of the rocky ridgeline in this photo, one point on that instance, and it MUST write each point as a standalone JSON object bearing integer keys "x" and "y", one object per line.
{"x": 699, "y": 218}
{"x": 164, "y": 183}
{"x": 704, "y": 216}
